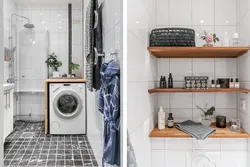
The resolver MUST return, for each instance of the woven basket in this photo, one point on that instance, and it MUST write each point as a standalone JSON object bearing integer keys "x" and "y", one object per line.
{"x": 172, "y": 37}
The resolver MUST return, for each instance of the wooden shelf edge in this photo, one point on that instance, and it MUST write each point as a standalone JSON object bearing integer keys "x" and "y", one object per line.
{"x": 220, "y": 133}
{"x": 210, "y": 90}
{"x": 198, "y": 52}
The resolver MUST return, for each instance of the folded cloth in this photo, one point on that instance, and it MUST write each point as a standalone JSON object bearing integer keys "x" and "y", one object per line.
{"x": 196, "y": 130}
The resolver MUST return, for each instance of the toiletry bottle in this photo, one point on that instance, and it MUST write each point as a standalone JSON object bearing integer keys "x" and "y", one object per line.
{"x": 218, "y": 83}
{"x": 170, "y": 81}
{"x": 170, "y": 121}
{"x": 237, "y": 83}
{"x": 164, "y": 82}
{"x": 236, "y": 39}
{"x": 213, "y": 84}
{"x": 225, "y": 41}
{"x": 231, "y": 84}
{"x": 161, "y": 119}
{"x": 161, "y": 82}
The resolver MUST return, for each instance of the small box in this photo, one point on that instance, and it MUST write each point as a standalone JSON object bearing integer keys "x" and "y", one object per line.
{"x": 224, "y": 82}
{"x": 196, "y": 82}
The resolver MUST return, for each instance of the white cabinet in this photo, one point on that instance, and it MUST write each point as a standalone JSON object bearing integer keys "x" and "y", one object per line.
{"x": 8, "y": 112}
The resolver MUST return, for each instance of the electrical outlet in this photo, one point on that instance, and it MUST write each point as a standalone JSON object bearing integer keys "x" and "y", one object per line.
{"x": 243, "y": 104}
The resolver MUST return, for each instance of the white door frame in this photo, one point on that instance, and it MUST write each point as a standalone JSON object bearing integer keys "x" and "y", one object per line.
{"x": 1, "y": 83}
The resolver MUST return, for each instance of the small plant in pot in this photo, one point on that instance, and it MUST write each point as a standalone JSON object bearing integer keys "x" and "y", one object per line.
{"x": 53, "y": 63}
{"x": 206, "y": 115}
{"x": 209, "y": 38}
{"x": 74, "y": 67}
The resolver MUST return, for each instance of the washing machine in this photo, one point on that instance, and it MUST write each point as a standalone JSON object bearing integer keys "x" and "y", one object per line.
{"x": 67, "y": 108}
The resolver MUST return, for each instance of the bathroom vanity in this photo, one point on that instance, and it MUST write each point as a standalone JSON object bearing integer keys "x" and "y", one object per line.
{"x": 8, "y": 110}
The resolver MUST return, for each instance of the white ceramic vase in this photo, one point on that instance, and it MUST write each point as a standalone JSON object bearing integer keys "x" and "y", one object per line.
{"x": 56, "y": 74}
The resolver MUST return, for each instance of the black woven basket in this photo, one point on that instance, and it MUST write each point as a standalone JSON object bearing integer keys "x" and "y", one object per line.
{"x": 172, "y": 37}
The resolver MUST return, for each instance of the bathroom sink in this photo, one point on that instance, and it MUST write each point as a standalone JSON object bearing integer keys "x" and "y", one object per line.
{"x": 8, "y": 86}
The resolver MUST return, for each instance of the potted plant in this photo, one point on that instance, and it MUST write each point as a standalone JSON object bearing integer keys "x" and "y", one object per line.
{"x": 54, "y": 64}
{"x": 209, "y": 39}
{"x": 206, "y": 114}
{"x": 74, "y": 67}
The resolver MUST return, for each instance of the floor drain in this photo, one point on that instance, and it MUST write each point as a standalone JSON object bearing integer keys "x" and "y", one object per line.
{"x": 26, "y": 135}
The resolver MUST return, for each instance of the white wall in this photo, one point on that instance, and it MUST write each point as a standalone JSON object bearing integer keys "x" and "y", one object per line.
{"x": 54, "y": 18}
{"x": 180, "y": 152}
{"x": 243, "y": 25}
{"x": 218, "y": 16}
{"x": 9, "y": 8}
{"x": 142, "y": 75}
{"x": 111, "y": 42}
{"x": 1, "y": 82}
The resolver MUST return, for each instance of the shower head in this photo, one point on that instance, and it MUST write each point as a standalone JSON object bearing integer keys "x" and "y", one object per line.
{"x": 29, "y": 25}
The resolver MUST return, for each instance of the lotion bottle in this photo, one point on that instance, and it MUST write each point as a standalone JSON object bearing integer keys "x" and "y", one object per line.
{"x": 161, "y": 119}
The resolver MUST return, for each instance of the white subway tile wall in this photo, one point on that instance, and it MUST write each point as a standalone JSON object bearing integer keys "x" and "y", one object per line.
{"x": 180, "y": 152}
{"x": 142, "y": 74}
{"x": 243, "y": 26}
{"x": 222, "y": 18}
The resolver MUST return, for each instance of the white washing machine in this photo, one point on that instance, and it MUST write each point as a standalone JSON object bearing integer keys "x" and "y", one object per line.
{"x": 67, "y": 111}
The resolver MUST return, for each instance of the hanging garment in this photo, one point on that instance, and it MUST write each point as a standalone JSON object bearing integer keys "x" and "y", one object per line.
{"x": 109, "y": 105}
{"x": 131, "y": 162}
{"x": 89, "y": 44}
{"x": 98, "y": 44}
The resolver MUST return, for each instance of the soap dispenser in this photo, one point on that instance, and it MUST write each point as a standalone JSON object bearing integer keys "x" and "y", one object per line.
{"x": 161, "y": 119}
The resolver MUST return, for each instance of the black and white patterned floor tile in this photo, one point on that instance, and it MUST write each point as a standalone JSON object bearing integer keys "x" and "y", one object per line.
{"x": 21, "y": 150}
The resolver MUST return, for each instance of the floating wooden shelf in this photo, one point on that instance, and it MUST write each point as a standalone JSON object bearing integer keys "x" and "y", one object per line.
{"x": 176, "y": 133}
{"x": 210, "y": 90}
{"x": 198, "y": 52}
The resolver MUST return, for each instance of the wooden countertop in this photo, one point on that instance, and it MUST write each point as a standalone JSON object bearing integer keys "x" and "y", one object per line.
{"x": 176, "y": 133}
{"x": 65, "y": 80}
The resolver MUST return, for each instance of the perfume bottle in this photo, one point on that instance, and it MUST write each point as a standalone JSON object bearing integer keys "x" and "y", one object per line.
{"x": 213, "y": 84}
{"x": 231, "y": 83}
{"x": 237, "y": 83}
{"x": 218, "y": 83}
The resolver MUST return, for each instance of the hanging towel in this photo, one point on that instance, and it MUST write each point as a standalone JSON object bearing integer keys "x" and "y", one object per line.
{"x": 131, "y": 162}
{"x": 89, "y": 44}
{"x": 109, "y": 106}
{"x": 99, "y": 47}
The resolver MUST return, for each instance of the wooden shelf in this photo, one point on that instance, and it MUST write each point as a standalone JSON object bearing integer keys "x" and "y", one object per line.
{"x": 210, "y": 90}
{"x": 220, "y": 133}
{"x": 198, "y": 52}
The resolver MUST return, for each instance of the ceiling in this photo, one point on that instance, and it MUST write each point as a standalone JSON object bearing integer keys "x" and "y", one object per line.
{"x": 47, "y": 1}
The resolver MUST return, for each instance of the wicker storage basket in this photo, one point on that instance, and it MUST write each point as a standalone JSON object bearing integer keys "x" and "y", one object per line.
{"x": 172, "y": 37}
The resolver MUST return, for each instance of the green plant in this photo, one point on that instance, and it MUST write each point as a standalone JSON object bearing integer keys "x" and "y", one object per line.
{"x": 206, "y": 112}
{"x": 74, "y": 66}
{"x": 53, "y": 62}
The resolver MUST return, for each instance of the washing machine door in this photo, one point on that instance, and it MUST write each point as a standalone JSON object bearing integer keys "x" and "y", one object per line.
{"x": 67, "y": 104}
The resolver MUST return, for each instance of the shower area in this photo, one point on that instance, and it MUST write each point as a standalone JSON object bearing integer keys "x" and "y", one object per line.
{"x": 36, "y": 29}
{"x": 29, "y": 48}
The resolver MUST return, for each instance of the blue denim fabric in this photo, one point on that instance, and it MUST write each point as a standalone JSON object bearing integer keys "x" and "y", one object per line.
{"x": 109, "y": 106}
